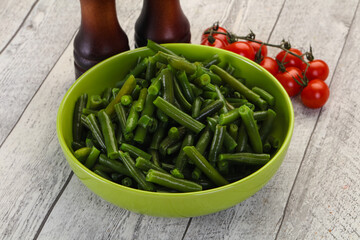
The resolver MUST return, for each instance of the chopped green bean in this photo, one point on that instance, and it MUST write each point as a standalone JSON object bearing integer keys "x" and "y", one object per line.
{"x": 205, "y": 166}
{"x": 108, "y": 132}
{"x": 172, "y": 182}
{"x": 178, "y": 115}
{"x": 134, "y": 151}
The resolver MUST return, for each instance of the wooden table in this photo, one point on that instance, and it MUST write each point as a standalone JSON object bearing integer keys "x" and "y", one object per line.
{"x": 314, "y": 195}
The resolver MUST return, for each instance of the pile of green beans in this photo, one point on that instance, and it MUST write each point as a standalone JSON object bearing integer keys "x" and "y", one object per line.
{"x": 172, "y": 125}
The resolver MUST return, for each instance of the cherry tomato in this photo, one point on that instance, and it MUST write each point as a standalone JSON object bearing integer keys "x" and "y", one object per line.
{"x": 318, "y": 69}
{"x": 315, "y": 94}
{"x": 257, "y": 46}
{"x": 218, "y": 43}
{"x": 287, "y": 81}
{"x": 290, "y": 60}
{"x": 219, "y": 36}
{"x": 242, "y": 48}
{"x": 270, "y": 64}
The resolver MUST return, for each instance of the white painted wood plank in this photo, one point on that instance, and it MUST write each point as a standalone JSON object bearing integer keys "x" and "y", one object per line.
{"x": 27, "y": 60}
{"x": 80, "y": 214}
{"x": 325, "y": 201}
{"x": 260, "y": 216}
{"x": 12, "y": 14}
{"x": 32, "y": 165}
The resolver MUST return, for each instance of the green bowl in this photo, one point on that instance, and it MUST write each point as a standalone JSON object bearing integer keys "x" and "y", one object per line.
{"x": 108, "y": 72}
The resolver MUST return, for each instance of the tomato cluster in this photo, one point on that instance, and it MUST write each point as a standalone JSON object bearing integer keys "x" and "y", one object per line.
{"x": 288, "y": 67}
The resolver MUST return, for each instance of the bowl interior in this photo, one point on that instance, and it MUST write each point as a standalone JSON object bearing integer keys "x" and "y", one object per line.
{"x": 112, "y": 70}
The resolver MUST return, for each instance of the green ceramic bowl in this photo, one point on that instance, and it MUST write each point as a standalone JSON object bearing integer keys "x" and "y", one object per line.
{"x": 108, "y": 72}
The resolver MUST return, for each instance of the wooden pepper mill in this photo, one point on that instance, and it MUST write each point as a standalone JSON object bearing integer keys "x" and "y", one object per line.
{"x": 100, "y": 35}
{"x": 162, "y": 21}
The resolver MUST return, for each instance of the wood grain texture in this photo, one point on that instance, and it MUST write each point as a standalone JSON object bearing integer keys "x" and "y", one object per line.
{"x": 13, "y": 13}
{"x": 31, "y": 55}
{"x": 38, "y": 201}
{"x": 32, "y": 165}
{"x": 260, "y": 216}
{"x": 325, "y": 201}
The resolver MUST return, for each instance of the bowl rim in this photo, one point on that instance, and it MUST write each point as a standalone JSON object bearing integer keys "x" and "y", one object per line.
{"x": 66, "y": 148}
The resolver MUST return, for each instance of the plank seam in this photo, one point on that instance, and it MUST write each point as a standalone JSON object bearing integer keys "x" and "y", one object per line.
{"x": 20, "y": 26}
{"x": 60, "y": 55}
{"x": 276, "y": 21}
{"x": 186, "y": 229}
{"x": 53, "y": 206}
{"x": 316, "y": 123}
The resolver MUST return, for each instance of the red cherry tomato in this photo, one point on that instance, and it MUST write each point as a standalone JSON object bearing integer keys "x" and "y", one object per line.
{"x": 290, "y": 60}
{"x": 257, "y": 46}
{"x": 218, "y": 43}
{"x": 242, "y": 48}
{"x": 270, "y": 64}
{"x": 315, "y": 94}
{"x": 219, "y": 36}
{"x": 318, "y": 69}
{"x": 287, "y": 81}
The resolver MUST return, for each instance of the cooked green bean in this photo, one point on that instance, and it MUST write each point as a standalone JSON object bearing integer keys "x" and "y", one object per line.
{"x": 102, "y": 174}
{"x": 210, "y": 109}
{"x": 155, "y": 157}
{"x": 145, "y": 121}
{"x": 96, "y": 102}
{"x": 251, "y": 128}
{"x": 95, "y": 130}
{"x": 134, "y": 151}
{"x": 126, "y": 181}
{"x": 247, "y": 158}
{"x": 126, "y": 100}
{"x": 82, "y": 153}
{"x": 136, "y": 173}
{"x": 132, "y": 119}
{"x": 92, "y": 157}
{"x": 196, "y": 107}
{"x": 173, "y": 148}
{"x": 216, "y": 144}
{"x": 155, "y": 86}
{"x": 146, "y": 165}
{"x": 168, "y": 85}
{"x": 274, "y": 141}
{"x": 238, "y": 86}
{"x": 87, "y": 111}
{"x": 178, "y": 115}
{"x": 270, "y": 99}
{"x": 179, "y": 96}
{"x": 136, "y": 92}
{"x": 157, "y": 47}
{"x": 172, "y": 182}
{"x": 141, "y": 100}
{"x": 229, "y": 117}
{"x": 229, "y": 143}
{"x": 174, "y": 133}
{"x": 260, "y": 115}
{"x": 182, "y": 80}
{"x": 233, "y": 130}
{"x": 202, "y": 80}
{"x": 221, "y": 98}
{"x": 197, "y": 91}
{"x": 181, "y": 159}
{"x": 103, "y": 168}
{"x": 242, "y": 139}
{"x": 169, "y": 141}
{"x": 77, "y": 126}
{"x": 126, "y": 89}
{"x": 200, "y": 161}
{"x": 158, "y": 136}
{"x": 266, "y": 127}
{"x": 209, "y": 95}
{"x": 113, "y": 164}
{"x": 151, "y": 69}
{"x": 108, "y": 132}
{"x": 179, "y": 63}
{"x": 140, "y": 67}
